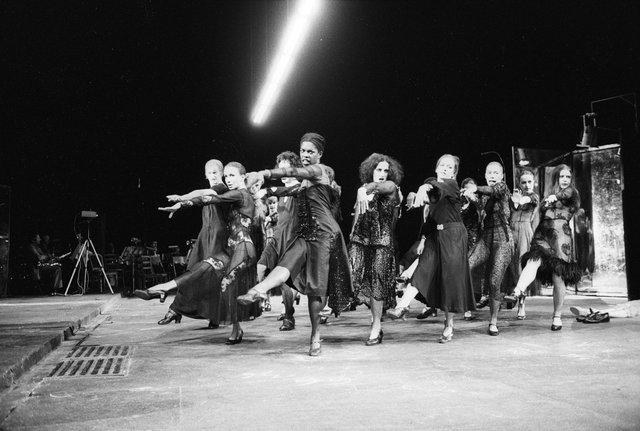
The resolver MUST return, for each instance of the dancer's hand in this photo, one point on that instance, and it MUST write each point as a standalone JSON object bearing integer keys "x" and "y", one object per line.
{"x": 551, "y": 199}
{"x": 173, "y": 198}
{"x": 516, "y": 197}
{"x": 172, "y": 209}
{"x": 411, "y": 197}
{"x": 362, "y": 201}
{"x": 422, "y": 196}
{"x": 420, "y": 247}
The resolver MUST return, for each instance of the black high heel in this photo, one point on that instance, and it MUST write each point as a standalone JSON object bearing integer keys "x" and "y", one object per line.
{"x": 147, "y": 294}
{"x": 427, "y": 313}
{"x": 237, "y": 340}
{"x": 171, "y": 315}
{"x": 252, "y": 296}
{"x": 374, "y": 341}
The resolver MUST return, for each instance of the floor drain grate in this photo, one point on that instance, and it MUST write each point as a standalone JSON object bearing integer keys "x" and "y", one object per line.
{"x": 94, "y": 361}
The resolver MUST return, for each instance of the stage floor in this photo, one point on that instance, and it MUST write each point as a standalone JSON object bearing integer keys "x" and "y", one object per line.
{"x": 183, "y": 377}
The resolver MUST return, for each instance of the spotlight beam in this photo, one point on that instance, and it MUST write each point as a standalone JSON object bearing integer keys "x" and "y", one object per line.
{"x": 293, "y": 38}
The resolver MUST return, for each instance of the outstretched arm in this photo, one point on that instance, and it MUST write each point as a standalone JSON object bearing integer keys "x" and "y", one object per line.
{"x": 495, "y": 191}
{"x": 313, "y": 172}
{"x": 218, "y": 188}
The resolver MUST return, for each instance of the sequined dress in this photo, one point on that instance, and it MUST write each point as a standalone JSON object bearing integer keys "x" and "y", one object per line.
{"x": 317, "y": 257}
{"x": 372, "y": 248}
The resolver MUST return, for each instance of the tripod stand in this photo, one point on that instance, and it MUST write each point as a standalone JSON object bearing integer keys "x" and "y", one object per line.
{"x": 83, "y": 257}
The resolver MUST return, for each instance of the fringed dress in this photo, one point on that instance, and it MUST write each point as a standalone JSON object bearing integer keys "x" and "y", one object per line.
{"x": 552, "y": 241}
{"x": 317, "y": 257}
{"x": 372, "y": 246}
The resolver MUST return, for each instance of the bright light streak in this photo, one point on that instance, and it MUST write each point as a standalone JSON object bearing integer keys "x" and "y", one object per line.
{"x": 292, "y": 40}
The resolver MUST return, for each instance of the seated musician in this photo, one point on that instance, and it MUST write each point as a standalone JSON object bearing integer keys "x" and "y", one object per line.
{"x": 45, "y": 267}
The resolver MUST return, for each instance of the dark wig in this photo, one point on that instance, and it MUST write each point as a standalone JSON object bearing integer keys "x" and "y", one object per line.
{"x": 369, "y": 165}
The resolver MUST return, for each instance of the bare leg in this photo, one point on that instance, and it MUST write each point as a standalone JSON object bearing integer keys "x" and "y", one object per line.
{"x": 558, "y": 299}
{"x": 376, "y": 316}
{"x": 528, "y": 276}
{"x": 279, "y": 275}
{"x": 233, "y": 311}
{"x": 409, "y": 293}
{"x": 494, "y": 306}
{"x": 316, "y": 304}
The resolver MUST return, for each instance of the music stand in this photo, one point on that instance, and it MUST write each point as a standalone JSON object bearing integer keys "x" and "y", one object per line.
{"x": 84, "y": 256}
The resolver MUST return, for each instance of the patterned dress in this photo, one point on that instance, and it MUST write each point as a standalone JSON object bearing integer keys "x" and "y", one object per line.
{"x": 372, "y": 246}
{"x": 494, "y": 249}
{"x": 240, "y": 274}
{"x": 552, "y": 241}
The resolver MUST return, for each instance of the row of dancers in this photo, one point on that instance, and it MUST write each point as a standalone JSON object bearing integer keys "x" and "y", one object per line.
{"x": 470, "y": 229}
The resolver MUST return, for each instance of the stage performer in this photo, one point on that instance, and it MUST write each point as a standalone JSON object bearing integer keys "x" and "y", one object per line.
{"x": 494, "y": 248}
{"x": 442, "y": 274}
{"x": 317, "y": 259}
{"x": 372, "y": 245}
{"x": 283, "y": 234}
{"x": 550, "y": 260}
{"x": 524, "y": 208}
{"x": 198, "y": 293}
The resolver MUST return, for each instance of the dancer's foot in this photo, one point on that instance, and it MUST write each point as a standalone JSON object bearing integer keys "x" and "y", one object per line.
{"x": 447, "y": 335}
{"x": 314, "y": 345}
{"x": 288, "y": 324}
{"x": 556, "y": 323}
{"x": 493, "y": 329}
{"x": 468, "y": 316}
{"x": 148, "y": 294}
{"x": 252, "y": 296}
{"x": 427, "y": 312}
{"x": 374, "y": 338}
{"x": 170, "y": 316}
{"x": 397, "y": 313}
{"x": 213, "y": 325}
{"x": 235, "y": 338}
{"x": 483, "y": 302}
{"x": 521, "y": 313}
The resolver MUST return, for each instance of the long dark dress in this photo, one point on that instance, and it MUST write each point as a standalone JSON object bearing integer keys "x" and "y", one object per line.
{"x": 522, "y": 219}
{"x": 317, "y": 257}
{"x": 372, "y": 246}
{"x": 442, "y": 275}
{"x": 198, "y": 294}
{"x": 552, "y": 241}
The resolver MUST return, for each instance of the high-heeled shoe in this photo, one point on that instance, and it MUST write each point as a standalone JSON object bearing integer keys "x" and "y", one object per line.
{"x": 445, "y": 338}
{"x": 213, "y": 325}
{"x": 252, "y": 296}
{"x": 147, "y": 294}
{"x": 237, "y": 340}
{"x": 288, "y": 324}
{"x": 556, "y": 323}
{"x": 491, "y": 331}
{"x": 483, "y": 302}
{"x": 171, "y": 315}
{"x": 521, "y": 313}
{"x": 315, "y": 348}
{"x": 428, "y": 312}
{"x": 374, "y": 341}
{"x": 397, "y": 313}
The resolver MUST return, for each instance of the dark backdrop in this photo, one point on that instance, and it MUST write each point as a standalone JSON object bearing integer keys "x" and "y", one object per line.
{"x": 112, "y": 105}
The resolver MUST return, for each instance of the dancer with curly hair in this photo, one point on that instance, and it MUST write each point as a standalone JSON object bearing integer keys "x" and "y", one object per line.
{"x": 372, "y": 246}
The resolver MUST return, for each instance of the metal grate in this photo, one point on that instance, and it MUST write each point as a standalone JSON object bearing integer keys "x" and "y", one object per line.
{"x": 94, "y": 361}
